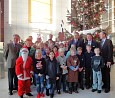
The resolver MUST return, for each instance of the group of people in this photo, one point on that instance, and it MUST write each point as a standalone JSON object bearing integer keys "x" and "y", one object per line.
{"x": 59, "y": 66}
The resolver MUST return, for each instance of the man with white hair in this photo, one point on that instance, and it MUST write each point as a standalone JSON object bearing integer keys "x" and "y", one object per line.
{"x": 24, "y": 72}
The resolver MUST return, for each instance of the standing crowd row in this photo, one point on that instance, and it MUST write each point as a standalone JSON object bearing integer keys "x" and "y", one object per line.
{"x": 59, "y": 66}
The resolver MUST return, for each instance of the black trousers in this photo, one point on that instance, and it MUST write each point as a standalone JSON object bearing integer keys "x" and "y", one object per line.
{"x": 88, "y": 77}
{"x": 58, "y": 83}
{"x": 12, "y": 79}
{"x": 80, "y": 78}
{"x": 73, "y": 86}
{"x": 64, "y": 82}
{"x": 106, "y": 77}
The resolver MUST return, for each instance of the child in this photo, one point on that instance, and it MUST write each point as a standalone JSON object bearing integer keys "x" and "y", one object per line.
{"x": 97, "y": 64}
{"x": 73, "y": 64}
{"x": 88, "y": 70}
{"x": 39, "y": 72}
{"x": 81, "y": 66}
{"x": 52, "y": 73}
{"x": 62, "y": 62}
{"x": 24, "y": 72}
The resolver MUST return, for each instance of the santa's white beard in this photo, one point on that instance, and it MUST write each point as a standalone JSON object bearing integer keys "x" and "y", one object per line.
{"x": 24, "y": 56}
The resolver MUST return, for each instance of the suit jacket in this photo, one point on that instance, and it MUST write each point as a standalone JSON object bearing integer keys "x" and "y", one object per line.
{"x": 11, "y": 54}
{"x": 94, "y": 44}
{"x": 79, "y": 43}
{"x": 107, "y": 51}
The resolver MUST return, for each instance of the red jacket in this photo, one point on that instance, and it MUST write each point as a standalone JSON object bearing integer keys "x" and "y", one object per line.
{"x": 24, "y": 71}
{"x": 56, "y": 54}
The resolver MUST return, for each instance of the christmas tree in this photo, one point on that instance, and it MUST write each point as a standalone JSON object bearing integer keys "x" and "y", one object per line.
{"x": 85, "y": 14}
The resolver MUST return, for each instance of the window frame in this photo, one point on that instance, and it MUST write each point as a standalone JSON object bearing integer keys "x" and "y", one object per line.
{"x": 30, "y": 12}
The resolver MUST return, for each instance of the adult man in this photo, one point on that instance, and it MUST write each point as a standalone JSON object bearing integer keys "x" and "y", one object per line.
{"x": 24, "y": 72}
{"x": 51, "y": 37}
{"x": 38, "y": 42}
{"x": 91, "y": 42}
{"x": 106, "y": 47}
{"x": 11, "y": 53}
{"x": 77, "y": 41}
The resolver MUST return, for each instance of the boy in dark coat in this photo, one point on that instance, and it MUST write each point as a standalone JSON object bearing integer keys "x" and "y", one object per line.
{"x": 52, "y": 73}
{"x": 81, "y": 66}
{"x": 88, "y": 70}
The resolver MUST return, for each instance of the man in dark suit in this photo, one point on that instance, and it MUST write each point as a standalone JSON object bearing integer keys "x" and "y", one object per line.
{"x": 106, "y": 47}
{"x": 11, "y": 53}
{"x": 77, "y": 41}
{"x": 91, "y": 42}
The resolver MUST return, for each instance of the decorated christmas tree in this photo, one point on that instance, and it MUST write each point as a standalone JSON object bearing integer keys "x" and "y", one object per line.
{"x": 85, "y": 14}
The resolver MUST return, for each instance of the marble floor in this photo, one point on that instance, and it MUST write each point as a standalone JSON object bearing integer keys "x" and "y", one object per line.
{"x": 82, "y": 94}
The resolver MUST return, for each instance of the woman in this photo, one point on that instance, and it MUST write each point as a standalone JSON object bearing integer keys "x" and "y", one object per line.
{"x": 73, "y": 67}
{"x": 63, "y": 69}
{"x": 68, "y": 53}
{"x": 55, "y": 50}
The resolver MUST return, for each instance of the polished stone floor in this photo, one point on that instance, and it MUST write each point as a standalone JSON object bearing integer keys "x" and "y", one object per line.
{"x": 82, "y": 94}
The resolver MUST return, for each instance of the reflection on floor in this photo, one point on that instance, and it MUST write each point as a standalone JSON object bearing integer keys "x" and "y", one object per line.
{"x": 82, "y": 94}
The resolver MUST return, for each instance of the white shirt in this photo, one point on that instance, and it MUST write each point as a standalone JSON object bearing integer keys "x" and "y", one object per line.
{"x": 89, "y": 42}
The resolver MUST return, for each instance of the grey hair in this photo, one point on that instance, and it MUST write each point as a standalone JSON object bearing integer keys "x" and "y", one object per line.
{"x": 61, "y": 50}
{"x": 71, "y": 49}
{"x": 16, "y": 35}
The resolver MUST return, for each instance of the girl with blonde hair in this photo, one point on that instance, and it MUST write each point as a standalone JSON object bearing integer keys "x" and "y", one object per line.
{"x": 39, "y": 72}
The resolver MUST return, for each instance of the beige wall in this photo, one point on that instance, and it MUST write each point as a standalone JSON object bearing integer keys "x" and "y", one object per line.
{"x": 20, "y": 23}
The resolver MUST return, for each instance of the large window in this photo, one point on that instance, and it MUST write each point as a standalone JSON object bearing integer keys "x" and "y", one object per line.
{"x": 40, "y": 11}
{"x": 108, "y": 18}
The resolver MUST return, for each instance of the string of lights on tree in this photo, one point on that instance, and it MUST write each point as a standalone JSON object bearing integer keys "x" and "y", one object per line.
{"x": 85, "y": 14}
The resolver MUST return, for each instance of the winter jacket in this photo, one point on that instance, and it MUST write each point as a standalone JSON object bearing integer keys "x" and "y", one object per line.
{"x": 52, "y": 69}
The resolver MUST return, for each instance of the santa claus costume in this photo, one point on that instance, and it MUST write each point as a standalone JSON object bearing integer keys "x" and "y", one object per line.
{"x": 24, "y": 72}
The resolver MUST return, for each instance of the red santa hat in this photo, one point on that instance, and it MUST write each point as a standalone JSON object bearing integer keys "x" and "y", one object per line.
{"x": 24, "y": 48}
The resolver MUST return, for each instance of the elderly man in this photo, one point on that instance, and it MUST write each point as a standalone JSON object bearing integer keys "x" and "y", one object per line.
{"x": 106, "y": 47}
{"x": 77, "y": 41}
{"x": 51, "y": 37}
{"x": 11, "y": 53}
